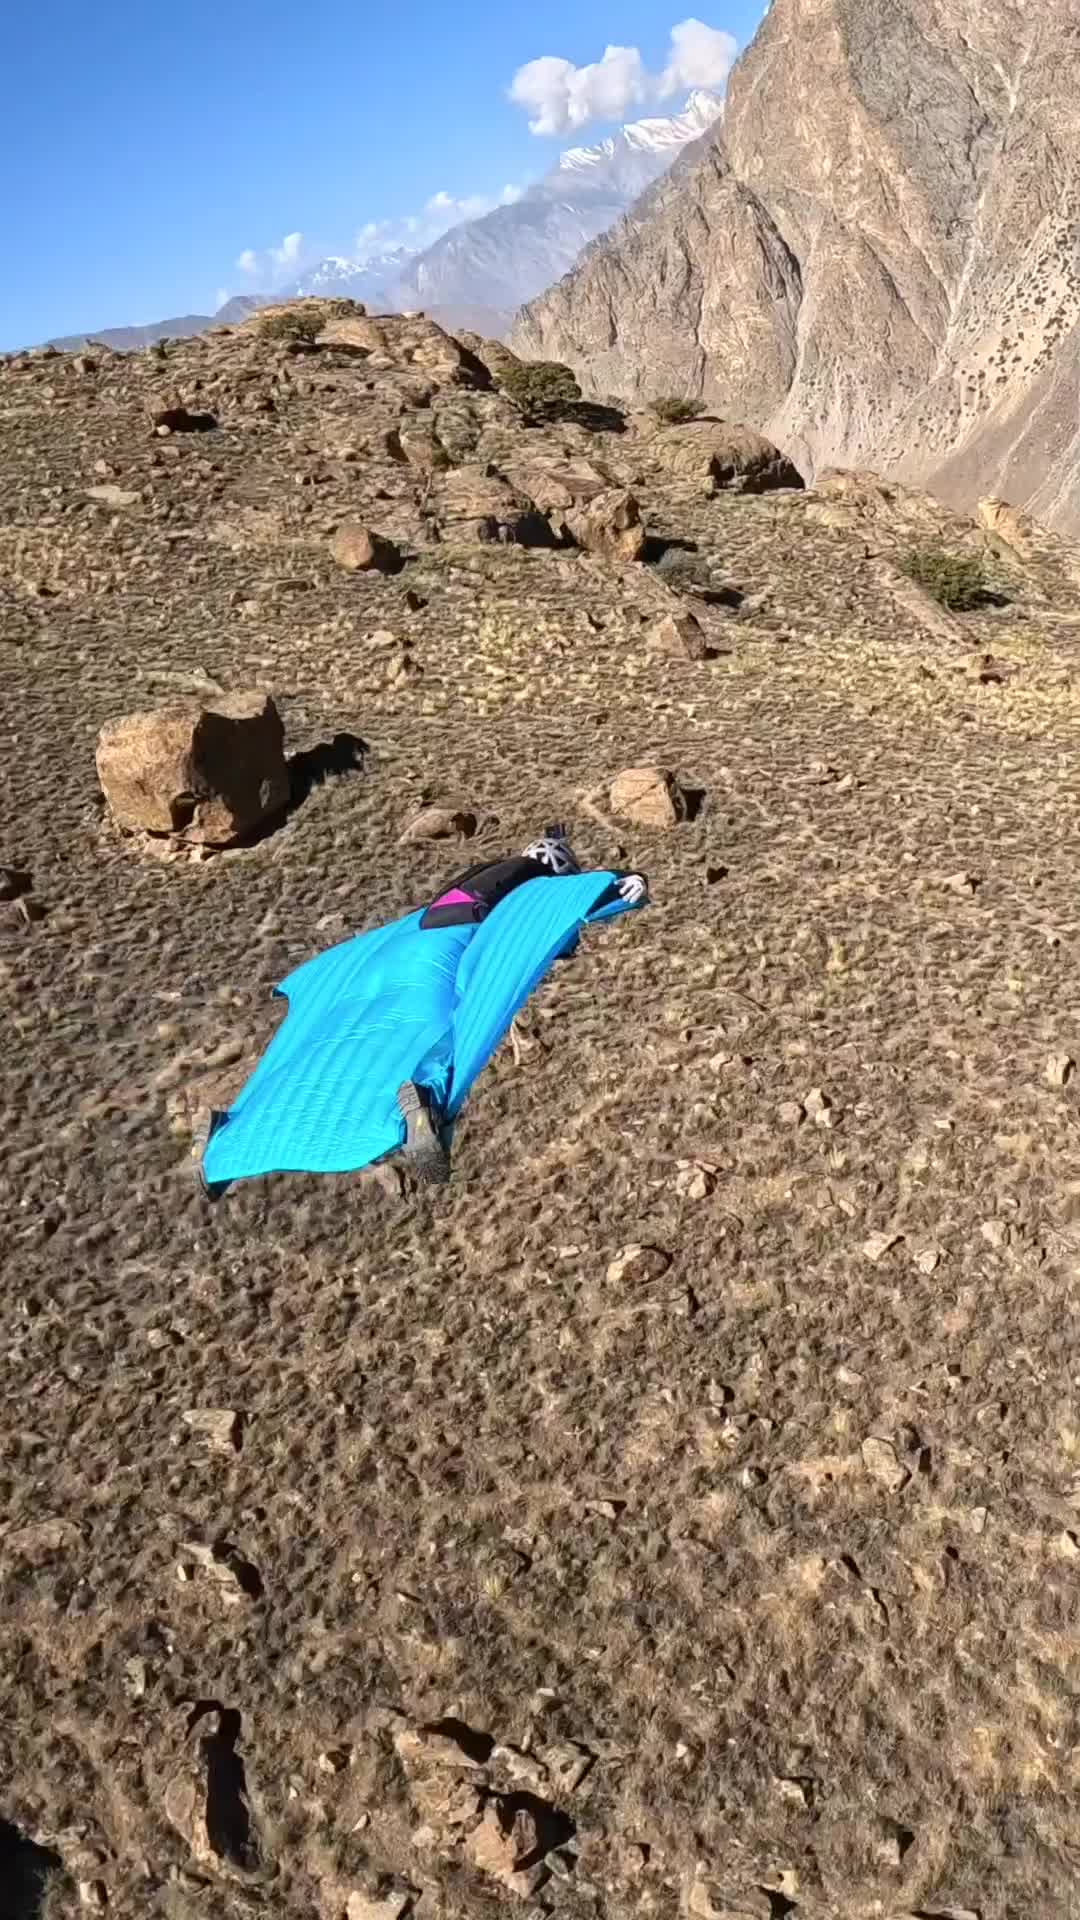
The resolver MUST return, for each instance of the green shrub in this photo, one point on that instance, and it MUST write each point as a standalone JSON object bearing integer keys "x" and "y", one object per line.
{"x": 673, "y": 411}
{"x": 542, "y": 389}
{"x": 957, "y": 580}
{"x": 683, "y": 571}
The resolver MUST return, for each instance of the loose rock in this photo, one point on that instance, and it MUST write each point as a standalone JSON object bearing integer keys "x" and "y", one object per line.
{"x": 610, "y": 524}
{"x": 236, "y": 1577}
{"x": 109, "y": 496}
{"x": 501, "y": 1844}
{"x": 819, "y": 1108}
{"x": 441, "y": 823}
{"x": 879, "y": 1244}
{"x": 220, "y": 1427}
{"x": 880, "y": 1460}
{"x": 369, "y": 1906}
{"x": 648, "y": 796}
{"x": 678, "y": 636}
{"x": 636, "y": 1265}
{"x": 358, "y": 550}
{"x": 203, "y": 771}
{"x": 694, "y": 1182}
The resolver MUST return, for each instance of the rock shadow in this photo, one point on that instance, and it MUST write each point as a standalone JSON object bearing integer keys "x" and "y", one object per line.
{"x": 307, "y": 771}
{"x": 478, "y": 1746}
{"x": 657, "y": 545}
{"x": 311, "y": 768}
{"x": 180, "y": 420}
{"x": 229, "y": 1826}
{"x": 26, "y": 1872}
{"x": 595, "y": 417}
{"x": 553, "y": 1827}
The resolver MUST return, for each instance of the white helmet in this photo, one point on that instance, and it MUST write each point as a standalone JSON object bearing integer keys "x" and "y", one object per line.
{"x": 552, "y": 850}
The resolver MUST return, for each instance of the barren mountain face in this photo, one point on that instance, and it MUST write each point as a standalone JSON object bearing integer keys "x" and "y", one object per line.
{"x": 678, "y": 1514}
{"x": 876, "y": 261}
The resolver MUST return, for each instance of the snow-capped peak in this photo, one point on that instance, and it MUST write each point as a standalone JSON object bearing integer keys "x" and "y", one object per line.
{"x": 580, "y": 159}
{"x": 335, "y": 273}
{"x": 699, "y": 113}
{"x": 649, "y": 136}
{"x": 703, "y": 107}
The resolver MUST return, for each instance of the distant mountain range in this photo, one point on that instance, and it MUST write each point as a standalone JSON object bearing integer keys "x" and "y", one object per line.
{"x": 875, "y": 261}
{"x": 481, "y": 271}
{"x": 129, "y": 339}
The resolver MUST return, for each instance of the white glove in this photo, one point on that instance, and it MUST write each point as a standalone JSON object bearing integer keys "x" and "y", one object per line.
{"x": 632, "y": 889}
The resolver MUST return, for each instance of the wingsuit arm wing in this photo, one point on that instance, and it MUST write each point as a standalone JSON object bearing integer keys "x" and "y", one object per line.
{"x": 509, "y": 955}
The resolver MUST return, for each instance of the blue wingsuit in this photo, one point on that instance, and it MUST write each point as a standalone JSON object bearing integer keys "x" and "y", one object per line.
{"x": 427, "y": 999}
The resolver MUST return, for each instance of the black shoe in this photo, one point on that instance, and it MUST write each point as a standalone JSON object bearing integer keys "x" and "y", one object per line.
{"x": 423, "y": 1148}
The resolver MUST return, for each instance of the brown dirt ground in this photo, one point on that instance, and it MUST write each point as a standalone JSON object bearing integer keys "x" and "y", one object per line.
{"x": 475, "y": 1479}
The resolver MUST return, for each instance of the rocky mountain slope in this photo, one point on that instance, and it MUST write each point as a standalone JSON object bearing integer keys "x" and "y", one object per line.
{"x": 679, "y": 1513}
{"x": 876, "y": 260}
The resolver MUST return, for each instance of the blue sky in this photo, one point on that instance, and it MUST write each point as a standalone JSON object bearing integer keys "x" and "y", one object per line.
{"x": 148, "y": 148}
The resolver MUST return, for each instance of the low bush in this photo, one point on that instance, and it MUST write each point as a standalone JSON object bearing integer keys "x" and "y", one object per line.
{"x": 956, "y": 580}
{"x": 301, "y": 323}
{"x": 673, "y": 411}
{"x": 542, "y": 389}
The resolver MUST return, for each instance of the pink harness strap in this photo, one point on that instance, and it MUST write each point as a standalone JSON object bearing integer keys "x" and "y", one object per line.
{"x": 455, "y": 898}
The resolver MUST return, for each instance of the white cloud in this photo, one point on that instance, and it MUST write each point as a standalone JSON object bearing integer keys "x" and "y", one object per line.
{"x": 560, "y": 96}
{"x": 288, "y": 253}
{"x": 274, "y": 267}
{"x": 382, "y": 236}
{"x": 701, "y": 56}
{"x": 275, "y": 264}
{"x": 446, "y": 207}
{"x": 416, "y": 230}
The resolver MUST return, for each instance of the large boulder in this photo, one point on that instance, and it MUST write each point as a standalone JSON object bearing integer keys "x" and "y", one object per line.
{"x": 496, "y": 357}
{"x": 609, "y": 524}
{"x": 722, "y": 457}
{"x": 475, "y": 503}
{"x": 1013, "y": 528}
{"x": 400, "y": 340}
{"x": 206, "y": 771}
{"x": 558, "y": 485}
